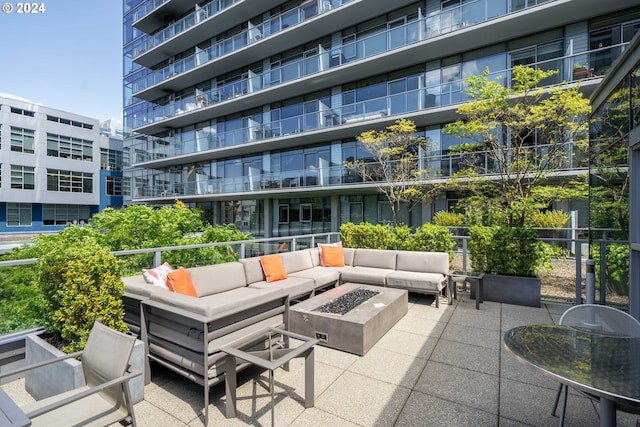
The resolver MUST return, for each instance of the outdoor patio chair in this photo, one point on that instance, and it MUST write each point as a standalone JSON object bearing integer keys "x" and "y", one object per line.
{"x": 602, "y": 318}
{"x": 105, "y": 398}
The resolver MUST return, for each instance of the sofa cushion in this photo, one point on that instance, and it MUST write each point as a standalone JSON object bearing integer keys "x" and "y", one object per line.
{"x": 296, "y": 261}
{"x": 294, "y": 286}
{"x": 138, "y": 286}
{"x": 180, "y": 281}
{"x": 365, "y": 275}
{"x": 375, "y": 258}
{"x": 315, "y": 256}
{"x": 252, "y": 270}
{"x": 273, "y": 267}
{"x": 321, "y": 276}
{"x": 157, "y": 276}
{"x": 322, "y": 245}
{"x": 348, "y": 253}
{"x": 332, "y": 256}
{"x": 416, "y": 281}
{"x": 216, "y": 278}
{"x": 427, "y": 262}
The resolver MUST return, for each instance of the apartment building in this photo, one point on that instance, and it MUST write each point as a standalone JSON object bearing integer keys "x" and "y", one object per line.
{"x": 249, "y": 109}
{"x": 56, "y": 167}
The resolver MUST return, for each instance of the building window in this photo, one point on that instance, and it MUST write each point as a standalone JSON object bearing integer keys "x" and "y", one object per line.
{"x": 283, "y": 214}
{"x": 306, "y": 210}
{"x": 65, "y": 214}
{"x": 69, "y": 122}
{"x": 69, "y": 148}
{"x": 18, "y": 214}
{"x": 22, "y": 140}
{"x": 22, "y": 112}
{"x": 111, "y": 160}
{"x": 114, "y": 186}
{"x": 22, "y": 177}
{"x": 69, "y": 181}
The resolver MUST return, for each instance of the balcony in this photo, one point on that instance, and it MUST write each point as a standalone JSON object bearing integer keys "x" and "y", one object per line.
{"x": 329, "y": 178}
{"x": 215, "y": 102}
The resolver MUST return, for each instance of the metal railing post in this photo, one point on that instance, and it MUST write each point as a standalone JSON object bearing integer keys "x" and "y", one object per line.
{"x": 578, "y": 273}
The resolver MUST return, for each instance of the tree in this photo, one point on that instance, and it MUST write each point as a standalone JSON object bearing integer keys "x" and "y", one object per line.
{"x": 395, "y": 167}
{"x": 523, "y": 131}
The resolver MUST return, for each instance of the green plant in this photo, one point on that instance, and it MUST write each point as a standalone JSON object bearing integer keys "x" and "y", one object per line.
{"x": 549, "y": 219}
{"x": 617, "y": 268}
{"x": 433, "y": 238}
{"x": 365, "y": 235}
{"x": 80, "y": 284}
{"x": 448, "y": 219}
{"x": 507, "y": 251}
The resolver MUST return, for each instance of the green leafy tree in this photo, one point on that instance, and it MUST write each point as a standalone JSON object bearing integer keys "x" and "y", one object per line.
{"x": 395, "y": 167}
{"x": 523, "y": 130}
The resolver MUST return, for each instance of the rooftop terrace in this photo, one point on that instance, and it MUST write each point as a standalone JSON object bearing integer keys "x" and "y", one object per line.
{"x": 441, "y": 367}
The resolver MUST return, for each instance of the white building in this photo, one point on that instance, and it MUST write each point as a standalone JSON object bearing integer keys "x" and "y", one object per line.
{"x": 55, "y": 167}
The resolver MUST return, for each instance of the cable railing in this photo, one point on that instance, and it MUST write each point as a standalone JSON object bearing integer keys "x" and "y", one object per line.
{"x": 362, "y": 46}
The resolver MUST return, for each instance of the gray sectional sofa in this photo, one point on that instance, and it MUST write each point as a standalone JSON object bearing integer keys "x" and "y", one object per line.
{"x": 234, "y": 300}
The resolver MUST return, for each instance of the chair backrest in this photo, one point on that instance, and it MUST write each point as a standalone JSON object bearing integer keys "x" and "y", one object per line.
{"x": 601, "y": 318}
{"x": 106, "y": 357}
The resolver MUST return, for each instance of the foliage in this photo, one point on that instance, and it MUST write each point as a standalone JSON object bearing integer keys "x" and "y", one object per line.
{"x": 538, "y": 123}
{"x": 428, "y": 237}
{"x": 394, "y": 168}
{"x": 448, "y": 219}
{"x": 507, "y": 251}
{"x": 549, "y": 219}
{"x": 365, "y": 235}
{"x": 617, "y": 268}
{"x": 133, "y": 227}
{"x": 80, "y": 283}
{"x": 433, "y": 238}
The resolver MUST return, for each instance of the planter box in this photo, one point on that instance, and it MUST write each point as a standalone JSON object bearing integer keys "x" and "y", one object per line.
{"x": 67, "y": 375}
{"x": 511, "y": 290}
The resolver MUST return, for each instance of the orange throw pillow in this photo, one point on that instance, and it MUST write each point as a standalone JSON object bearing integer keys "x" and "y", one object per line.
{"x": 273, "y": 267}
{"x": 180, "y": 281}
{"x": 332, "y": 256}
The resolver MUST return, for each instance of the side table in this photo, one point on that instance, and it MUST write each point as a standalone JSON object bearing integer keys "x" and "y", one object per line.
{"x": 472, "y": 277}
{"x": 270, "y": 358}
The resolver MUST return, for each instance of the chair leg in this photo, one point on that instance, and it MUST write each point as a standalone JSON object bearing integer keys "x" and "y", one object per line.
{"x": 564, "y": 405}
{"x": 555, "y": 403}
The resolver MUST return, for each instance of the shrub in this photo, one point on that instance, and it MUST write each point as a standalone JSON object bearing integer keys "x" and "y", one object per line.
{"x": 365, "y": 235}
{"x": 448, "y": 219}
{"x": 433, "y": 238}
{"x": 80, "y": 283}
{"x": 550, "y": 219}
{"x": 617, "y": 268}
{"x": 507, "y": 251}
{"x": 402, "y": 238}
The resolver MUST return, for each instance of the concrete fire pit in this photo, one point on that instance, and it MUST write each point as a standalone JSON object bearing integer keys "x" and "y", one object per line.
{"x": 351, "y": 317}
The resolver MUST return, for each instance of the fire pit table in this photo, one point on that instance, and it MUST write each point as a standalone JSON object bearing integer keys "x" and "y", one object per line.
{"x": 351, "y": 317}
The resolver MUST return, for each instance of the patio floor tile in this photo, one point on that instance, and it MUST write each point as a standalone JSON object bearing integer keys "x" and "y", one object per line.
{"x": 472, "y": 357}
{"x": 403, "y": 370}
{"x": 423, "y": 409}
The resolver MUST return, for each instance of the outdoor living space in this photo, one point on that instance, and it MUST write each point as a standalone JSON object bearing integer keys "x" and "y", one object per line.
{"x": 442, "y": 366}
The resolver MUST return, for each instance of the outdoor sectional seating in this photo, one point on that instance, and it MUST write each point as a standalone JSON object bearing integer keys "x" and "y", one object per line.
{"x": 234, "y": 300}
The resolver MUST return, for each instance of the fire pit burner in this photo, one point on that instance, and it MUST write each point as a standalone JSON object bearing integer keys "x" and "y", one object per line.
{"x": 347, "y": 302}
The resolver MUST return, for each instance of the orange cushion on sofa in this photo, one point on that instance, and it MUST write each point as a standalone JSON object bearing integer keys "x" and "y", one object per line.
{"x": 273, "y": 267}
{"x": 180, "y": 281}
{"x": 332, "y": 256}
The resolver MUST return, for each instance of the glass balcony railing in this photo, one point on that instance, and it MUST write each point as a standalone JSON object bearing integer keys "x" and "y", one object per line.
{"x": 182, "y": 25}
{"x": 145, "y": 8}
{"x": 436, "y": 166}
{"x": 395, "y": 104}
{"x": 252, "y": 34}
{"x": 363, "y": 46}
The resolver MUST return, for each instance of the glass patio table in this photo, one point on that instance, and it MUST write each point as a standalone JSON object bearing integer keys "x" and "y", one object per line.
{"x": 599, "y": 364}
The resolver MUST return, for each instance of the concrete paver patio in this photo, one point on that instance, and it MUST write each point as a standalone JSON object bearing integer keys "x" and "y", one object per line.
{"x": 435, "y": 367}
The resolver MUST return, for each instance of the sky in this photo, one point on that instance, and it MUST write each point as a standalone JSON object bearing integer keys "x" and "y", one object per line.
{"x": 68, "y": 57}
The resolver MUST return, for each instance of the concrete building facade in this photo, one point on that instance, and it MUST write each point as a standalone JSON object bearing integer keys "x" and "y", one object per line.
{"x": 249, "y": 108}
{"x": 56, "y": 167}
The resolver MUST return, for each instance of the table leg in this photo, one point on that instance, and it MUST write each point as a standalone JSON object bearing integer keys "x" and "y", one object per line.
{"x": 273, "y": 417}
{"x": 230, "y": 386}
{"x": 309, "y": 380}
{"x": 607, "y": 413}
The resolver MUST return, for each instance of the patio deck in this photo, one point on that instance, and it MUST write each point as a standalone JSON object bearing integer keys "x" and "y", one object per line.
{"x": 440, "y": 367}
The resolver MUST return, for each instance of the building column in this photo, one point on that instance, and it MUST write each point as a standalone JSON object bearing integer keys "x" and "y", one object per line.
{"x": 335, "y": 213}
{"x": 268, "y": 223}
